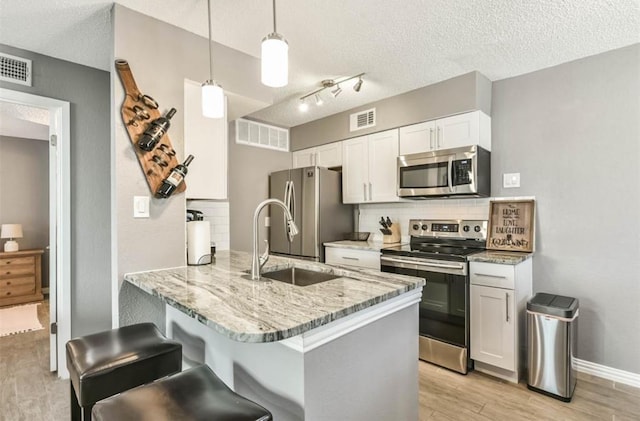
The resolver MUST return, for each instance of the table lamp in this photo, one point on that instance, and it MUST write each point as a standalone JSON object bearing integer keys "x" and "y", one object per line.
{"x": 11, "y": 231}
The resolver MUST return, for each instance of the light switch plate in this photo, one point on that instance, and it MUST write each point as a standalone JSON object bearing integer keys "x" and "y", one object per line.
{"x": 511, "y": 180}
{"x": 140, "y": 206}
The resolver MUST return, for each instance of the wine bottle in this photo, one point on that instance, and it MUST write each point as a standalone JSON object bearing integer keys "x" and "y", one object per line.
{"x": 173, "y": 180}
{"x": 156, "y": 129}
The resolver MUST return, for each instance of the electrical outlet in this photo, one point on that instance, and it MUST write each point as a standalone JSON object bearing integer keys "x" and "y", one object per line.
{"x": 511, "y": 180}
{"x": 140, "y": 206}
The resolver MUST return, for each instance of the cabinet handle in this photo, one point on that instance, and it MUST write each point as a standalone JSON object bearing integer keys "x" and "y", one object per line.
{"x": 490, "y": 276}
{"x": 364, "y": 186}
{"x": 506, "y": 296}
{"x": 438, "y": 137}
{"x": 349, "y": 258}
{"x": 431, "y": 138}
{"x": 370, "y": 194}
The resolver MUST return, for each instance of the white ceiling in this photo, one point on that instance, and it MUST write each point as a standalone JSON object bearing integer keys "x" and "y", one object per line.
{"x": 400, "y": 44}
{"x": 23, "y": 121}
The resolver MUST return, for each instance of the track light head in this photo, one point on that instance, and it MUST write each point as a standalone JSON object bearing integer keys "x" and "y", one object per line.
{"x": 303, "y": 106}
{"x": 336, "y": 91}
{"x": 358, "y": 85}
{"x": 319, "y": 100}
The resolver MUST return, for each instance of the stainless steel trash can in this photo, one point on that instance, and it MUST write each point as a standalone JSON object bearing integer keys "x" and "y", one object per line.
{"x": 552, "y": 333}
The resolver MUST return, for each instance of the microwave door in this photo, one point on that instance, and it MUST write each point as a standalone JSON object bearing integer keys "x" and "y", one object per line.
{"x": 429, "y": 176}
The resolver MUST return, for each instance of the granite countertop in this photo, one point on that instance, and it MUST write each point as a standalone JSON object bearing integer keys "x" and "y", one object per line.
{"x": 500, "y": 257}
{"x": 361, "y": 245}
{"x": 218, "y": 296}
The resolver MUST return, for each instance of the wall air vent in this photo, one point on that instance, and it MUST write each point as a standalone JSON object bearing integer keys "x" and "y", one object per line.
{"x": 15, "y": 69}
{"x": 261, "y": 135}
{"x": 362, "y": 120}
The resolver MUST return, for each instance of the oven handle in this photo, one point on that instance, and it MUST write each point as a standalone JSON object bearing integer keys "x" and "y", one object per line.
{"x": 412, "y": 262}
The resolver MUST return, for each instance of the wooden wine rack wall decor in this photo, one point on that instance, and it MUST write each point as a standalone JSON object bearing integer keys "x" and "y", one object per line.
{"x": 138, "y": 111}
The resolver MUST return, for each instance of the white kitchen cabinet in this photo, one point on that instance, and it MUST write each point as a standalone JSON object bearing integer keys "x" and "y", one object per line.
{"x": 206, "y": 139}
{"x": 369, "y": 170}
{"x": 327, "y": 156}
{"x": 499, "y": 294}
{"x": 352, "y": 257}
{"x": 466, "y": 129}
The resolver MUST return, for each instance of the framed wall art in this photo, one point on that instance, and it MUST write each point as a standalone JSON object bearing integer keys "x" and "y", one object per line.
{"x": 511, "y": 225}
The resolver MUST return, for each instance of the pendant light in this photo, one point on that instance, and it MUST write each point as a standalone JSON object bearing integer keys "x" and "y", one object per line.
{"x": 212, "y": 93}
{"x": 275, "y": 58}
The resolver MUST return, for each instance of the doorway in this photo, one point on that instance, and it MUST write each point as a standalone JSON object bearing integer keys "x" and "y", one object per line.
{"x": 59, "y": 220}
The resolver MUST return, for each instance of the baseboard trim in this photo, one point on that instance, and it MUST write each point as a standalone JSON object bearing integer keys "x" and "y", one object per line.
{"x": 609, "y": 373}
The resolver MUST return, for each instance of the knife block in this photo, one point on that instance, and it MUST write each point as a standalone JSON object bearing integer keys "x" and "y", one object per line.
{"x": 394, "y": 237}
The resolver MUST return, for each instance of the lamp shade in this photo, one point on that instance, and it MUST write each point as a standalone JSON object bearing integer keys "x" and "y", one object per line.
{"x": 275, "y": 61}
{"x": 212, "y": 100}
{"x": 11, "y": 231}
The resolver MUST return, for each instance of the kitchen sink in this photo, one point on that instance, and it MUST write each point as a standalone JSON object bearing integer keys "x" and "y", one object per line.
{"x": 299, "y": 277}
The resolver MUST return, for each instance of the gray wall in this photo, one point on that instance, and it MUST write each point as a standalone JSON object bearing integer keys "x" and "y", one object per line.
{"x": 159, "y": 242}
{"x": 573, "y": 132}
{"x": 24, "y": 191}
{"x": 249, "y": 169}
{"x": 87, "y": 90}
{"x": 468, "y": 92}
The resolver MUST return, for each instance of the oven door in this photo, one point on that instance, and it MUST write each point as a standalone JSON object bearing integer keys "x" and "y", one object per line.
{"x": 444, "y": 306}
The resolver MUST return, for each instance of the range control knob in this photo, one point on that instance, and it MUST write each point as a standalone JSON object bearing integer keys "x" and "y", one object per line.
{"x": 425, "y": 227}
{"x": 416, "y": 227}
{"x": 477, "y": 228}
{"x": 465, "y": 228}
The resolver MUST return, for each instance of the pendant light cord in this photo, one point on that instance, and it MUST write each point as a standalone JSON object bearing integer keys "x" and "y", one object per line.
{"x": 210, "y": 55}
{"x": 274, "y": 17}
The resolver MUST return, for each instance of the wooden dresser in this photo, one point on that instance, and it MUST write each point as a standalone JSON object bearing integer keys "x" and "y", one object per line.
{"x": 20, "y": 277}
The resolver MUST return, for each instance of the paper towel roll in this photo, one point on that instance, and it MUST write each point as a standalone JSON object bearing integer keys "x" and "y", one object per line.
{"x": 198, "y": 243}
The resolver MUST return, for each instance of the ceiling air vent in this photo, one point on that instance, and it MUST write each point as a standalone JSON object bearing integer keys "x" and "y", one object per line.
{"x": 15, "y": 69}
{"x": 261, "y": 135}
{"x": 362, "y": 120}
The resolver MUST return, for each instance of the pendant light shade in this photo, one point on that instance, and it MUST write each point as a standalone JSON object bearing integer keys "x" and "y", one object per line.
{"x": 212, "y": 100}
{"x": 212, "y": 93}
{"x": 275, "y": 58}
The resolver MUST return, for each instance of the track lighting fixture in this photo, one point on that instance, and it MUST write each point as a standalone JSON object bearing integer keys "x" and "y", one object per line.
{"x": 328, "y": 84}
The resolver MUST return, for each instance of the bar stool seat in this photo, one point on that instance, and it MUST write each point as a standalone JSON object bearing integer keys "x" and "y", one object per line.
{"x": 107, "y": 363}
{"x": 196, "y": 394}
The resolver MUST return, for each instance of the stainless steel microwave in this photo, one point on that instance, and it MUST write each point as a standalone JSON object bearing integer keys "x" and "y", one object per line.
{"x": 447, "y": 172}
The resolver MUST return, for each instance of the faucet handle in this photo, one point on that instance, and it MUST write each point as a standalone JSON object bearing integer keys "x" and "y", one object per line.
{"x": 265, "y": 256}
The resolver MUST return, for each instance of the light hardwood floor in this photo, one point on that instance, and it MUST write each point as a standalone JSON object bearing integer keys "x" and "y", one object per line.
{"x": 29, "y": 392}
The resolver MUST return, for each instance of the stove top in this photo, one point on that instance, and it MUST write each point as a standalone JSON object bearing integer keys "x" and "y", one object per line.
{"x": 451, "y": 240}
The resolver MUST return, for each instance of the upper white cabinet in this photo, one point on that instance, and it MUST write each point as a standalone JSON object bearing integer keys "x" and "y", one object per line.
{"x": 206, "y": 139}
{"x": 369, "y": 170}
{"x": 328, "y": 156}
{"x": 467, "y": 129}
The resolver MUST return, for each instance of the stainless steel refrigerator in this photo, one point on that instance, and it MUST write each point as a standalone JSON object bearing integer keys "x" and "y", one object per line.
{"x": 314, "y": 197}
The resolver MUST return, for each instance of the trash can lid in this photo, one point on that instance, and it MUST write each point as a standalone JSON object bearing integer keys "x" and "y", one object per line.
{"x": 553, "y": 305}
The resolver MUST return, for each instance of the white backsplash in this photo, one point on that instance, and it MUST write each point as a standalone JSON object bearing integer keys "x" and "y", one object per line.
{"x": 217, "y": 213}
{"x": 420, "y": 209}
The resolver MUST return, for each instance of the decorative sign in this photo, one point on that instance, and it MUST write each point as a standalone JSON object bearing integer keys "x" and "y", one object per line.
{"x": 511, "y": 225}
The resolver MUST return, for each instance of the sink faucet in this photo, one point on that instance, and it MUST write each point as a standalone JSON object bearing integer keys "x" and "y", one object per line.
{"x": 258, "y": 262}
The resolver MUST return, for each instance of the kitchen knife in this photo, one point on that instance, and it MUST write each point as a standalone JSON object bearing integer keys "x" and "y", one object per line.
{"x": 385, "y": 231}
{"x": 389, "y": 223}
{"x": 384, "y": 225}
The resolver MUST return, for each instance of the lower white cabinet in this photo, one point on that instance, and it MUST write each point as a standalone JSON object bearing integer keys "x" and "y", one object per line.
{"x": 352, "y": 257}
{"x": 499, "y": 294}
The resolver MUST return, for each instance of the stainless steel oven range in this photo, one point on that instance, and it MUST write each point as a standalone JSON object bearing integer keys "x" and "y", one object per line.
{"x": 438, "y": 252}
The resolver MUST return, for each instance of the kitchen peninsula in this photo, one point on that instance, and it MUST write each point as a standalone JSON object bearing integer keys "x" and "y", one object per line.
{"x": 341, "y": 349}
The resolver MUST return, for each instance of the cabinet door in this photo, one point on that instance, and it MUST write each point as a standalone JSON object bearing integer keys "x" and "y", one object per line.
{"x": 458, "y": 130}
{"x": 304, "y": 158}
{"x": 355, "y": 170}
{"x": 492, "y": 326}
{"x": 417, "y": 138}
{"x": 383, "y": 166}
{"x": 329, "y": 155}
{"x": 206, "y": 139}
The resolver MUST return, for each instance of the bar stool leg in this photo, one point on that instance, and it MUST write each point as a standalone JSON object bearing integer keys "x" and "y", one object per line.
{"x": 76, "y": 411}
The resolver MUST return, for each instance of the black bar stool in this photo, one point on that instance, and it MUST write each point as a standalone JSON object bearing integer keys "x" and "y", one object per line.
{"x": 107, "y": 363}
{"x": 193, "y": 395}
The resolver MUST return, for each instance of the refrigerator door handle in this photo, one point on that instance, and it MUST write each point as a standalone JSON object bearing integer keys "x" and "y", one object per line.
{"x": 287, "y": 202}
{"x": 292, "y": 208}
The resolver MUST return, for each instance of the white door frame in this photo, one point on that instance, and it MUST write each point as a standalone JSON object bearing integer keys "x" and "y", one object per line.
{"x": 59, "y": 215}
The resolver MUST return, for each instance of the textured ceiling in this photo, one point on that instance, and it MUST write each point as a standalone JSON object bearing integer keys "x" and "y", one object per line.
{"x": 401, "y": 44}
{"x": 23, "y": 121}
